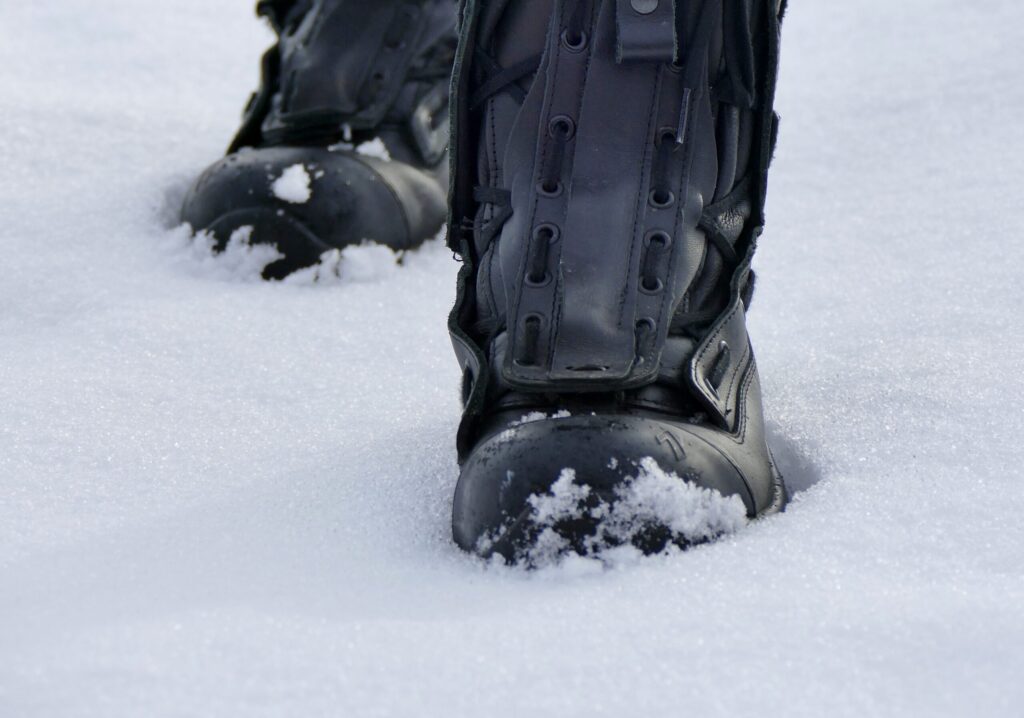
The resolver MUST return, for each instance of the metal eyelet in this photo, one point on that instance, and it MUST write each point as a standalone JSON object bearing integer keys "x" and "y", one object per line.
{"x": 649, "y": 289}
{"x": 658, "y": 235}
{"x": 666, "y": 134}
{"x": 562, "y": 125}
{"x": 546, "y": 188}
{"x": 574, "y": 44}
{"x": 661, "y": 199}
{"x": 547, "y": 231}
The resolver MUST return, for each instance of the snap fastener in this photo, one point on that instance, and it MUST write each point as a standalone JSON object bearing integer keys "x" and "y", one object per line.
{"x": 643, "y": 7}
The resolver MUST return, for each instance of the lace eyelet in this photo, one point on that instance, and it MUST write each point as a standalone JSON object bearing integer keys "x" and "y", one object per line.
{"x": 651, "y": 288}
{"x": 543, "y": 236}
{"x": 562, "y": 126}
{"x": 529, "y": 341}
{"x": 546, "y": 232}
{"x": 547, "y": 188}
{"x": 574, "y": 43}
{"x": 666, "y": 135}
{"x": 661, "y": 199}
{"x": 646, "y": 330}
{"x": 658, "y": 236}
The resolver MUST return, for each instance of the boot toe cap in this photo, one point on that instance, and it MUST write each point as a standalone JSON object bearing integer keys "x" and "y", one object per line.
{"x": 511, "y": 481}
{"x": 335, "y": 200}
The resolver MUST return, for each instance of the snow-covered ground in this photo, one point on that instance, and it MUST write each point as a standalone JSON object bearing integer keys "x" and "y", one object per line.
{"x": 220, "y": 497}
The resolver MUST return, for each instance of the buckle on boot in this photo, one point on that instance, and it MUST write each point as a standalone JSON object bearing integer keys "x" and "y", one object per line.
{"x": 428, "y": 132}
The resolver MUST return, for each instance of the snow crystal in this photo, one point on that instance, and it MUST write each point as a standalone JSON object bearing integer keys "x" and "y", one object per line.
{"x": 294, "y": 185}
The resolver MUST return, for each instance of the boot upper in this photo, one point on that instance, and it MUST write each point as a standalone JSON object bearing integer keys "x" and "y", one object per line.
{"x": 608, "y": 191}
{"x": 350, "y": 71}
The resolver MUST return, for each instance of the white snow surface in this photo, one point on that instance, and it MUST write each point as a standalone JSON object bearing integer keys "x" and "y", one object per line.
{"x": 220, "y": 497}
{"x": 293, "y": 185}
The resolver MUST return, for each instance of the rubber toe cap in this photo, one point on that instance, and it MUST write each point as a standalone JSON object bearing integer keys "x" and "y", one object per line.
{"x": 351, "y": 199}
{"x": 493, "y": 510}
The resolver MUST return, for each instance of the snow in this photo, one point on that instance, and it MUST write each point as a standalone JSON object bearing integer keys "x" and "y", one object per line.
{"x": 650, "y": 498}
{"x": 293, "y": 185}
{"x": 374, "y": 148}
{"x": 220, "y": 497}
{"x": 366, "y": 263}
{"x": 240, "y": 261}
{"x": 535, "y": 416}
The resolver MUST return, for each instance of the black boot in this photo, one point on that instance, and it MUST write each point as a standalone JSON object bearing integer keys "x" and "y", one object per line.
{"x": 343, "y": 73}
{"x": 610, "y": 162}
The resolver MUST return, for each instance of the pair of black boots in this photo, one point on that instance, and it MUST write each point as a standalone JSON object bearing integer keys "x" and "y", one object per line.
{"x": 604, "y": 189}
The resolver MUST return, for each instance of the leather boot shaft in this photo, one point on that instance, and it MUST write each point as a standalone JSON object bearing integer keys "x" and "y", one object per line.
{"x": 351, "y": 71}
{"x": 610, "y": 172}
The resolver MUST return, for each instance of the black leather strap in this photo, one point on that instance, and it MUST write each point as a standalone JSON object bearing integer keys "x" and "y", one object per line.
{"x": 646, "y": 31}
{"x": 719, "y": 364}
{"x": 588, "y": 322}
